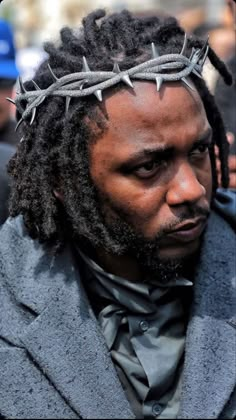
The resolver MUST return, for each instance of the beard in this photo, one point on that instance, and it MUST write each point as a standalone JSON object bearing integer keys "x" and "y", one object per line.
{"x": 146, "y": 252}
{"x": 98, "y": 223}
{"x": 129, "y": 241}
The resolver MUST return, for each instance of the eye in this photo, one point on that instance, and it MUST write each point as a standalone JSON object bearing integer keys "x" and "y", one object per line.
{"x": 202, "y": 149}
{"x": 147, "y": 170}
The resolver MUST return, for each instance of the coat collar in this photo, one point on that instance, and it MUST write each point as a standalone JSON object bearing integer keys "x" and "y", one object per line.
{"x": 66, "y": 342}
{"x": 209, "y": 371}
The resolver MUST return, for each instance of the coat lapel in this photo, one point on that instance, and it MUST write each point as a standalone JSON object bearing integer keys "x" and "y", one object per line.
{"x": 65, "y": 341}
{"x": 210, "y": 363}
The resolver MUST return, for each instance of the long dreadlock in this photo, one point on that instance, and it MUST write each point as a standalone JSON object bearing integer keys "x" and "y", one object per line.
{"x": 55, "y": 148}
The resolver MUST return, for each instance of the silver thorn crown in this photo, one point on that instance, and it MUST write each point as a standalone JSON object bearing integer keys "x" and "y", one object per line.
{"x": 160, "y": 68}
{"x": 11, "y": 100}
{"x": 53, "y": 75}
{"x": 184, "y": 45}
{"x": 68, "y": 99}
{"x": 159, "y": 81}
{"x": 116, "y": 68}
{"x": 85, "y": 66}
{"x": 154, "y": 51}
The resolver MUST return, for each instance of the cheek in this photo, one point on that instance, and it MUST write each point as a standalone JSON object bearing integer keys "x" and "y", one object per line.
{"x": 205, "y": 177}
{"x": 125, "y": 196}
{"x": 122, "y": 193}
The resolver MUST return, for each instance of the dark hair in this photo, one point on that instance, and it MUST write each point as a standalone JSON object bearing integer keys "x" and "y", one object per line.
{"x": 54, "y": 151}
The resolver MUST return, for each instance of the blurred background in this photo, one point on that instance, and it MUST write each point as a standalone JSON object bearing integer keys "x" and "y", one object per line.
{"x": 37, "y": 21}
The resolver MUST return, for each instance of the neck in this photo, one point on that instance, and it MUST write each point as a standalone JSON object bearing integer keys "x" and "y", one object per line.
{"x": 122, "y": 266}
{"x": 128, "y": 267}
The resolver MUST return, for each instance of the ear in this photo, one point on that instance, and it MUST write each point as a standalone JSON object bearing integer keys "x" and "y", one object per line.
{"x": 58, "y": 195}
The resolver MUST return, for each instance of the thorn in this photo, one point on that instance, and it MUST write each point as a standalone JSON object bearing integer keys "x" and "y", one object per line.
{"x": 197, "y": 73}
{"x": 192, "y": 53}
{"x": 40, "y": 101}
{"x": 35, "y": 85}
{"x": 116, "y": 68}
{"x": 159, "y": 81}
{"x": 155, "y": 53}
{"x": 18, "y": 124}
{"x": 190, "y": 85}
{"x": 82, "y": 83}
{"x": 53, "y": 75}
{"x": 68, "y": 99}
{"x": 10, "y": 100}
{"x": 22, "y": 139}
{"x": 85, "y": 65}
{"x": 204, "y": 47}
{"x": 126, "y": 79}
{"x": 184, "y": 45}
{"x": 98, "y": 94}
{"x": 33, "y": 115}
{"x": 22, "y": 88}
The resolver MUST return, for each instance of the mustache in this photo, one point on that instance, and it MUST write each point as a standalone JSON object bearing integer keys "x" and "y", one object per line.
{"x": 189, "y": 213}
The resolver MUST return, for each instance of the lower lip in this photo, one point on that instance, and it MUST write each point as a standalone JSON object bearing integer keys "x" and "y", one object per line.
{"x": 188, "y": 235}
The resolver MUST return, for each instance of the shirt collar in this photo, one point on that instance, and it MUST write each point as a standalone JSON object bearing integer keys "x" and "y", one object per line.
{"x": 137, "y": 297}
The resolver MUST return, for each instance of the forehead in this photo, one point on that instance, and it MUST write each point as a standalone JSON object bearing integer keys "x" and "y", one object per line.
{"x": 142, "y": 117}
{"x": 144, "y": 105}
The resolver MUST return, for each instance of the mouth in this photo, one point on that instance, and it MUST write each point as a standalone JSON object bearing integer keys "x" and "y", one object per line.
{"x": 188, "y": 231}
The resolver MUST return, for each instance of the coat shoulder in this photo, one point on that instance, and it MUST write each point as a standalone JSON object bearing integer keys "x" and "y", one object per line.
{"x": 20, "y": 256}
{"x": 225, "y": 205}
{"x": 30, "y": 275}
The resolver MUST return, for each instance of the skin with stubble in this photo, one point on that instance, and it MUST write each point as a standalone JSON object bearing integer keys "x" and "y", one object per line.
{"x": 152, "y": 172}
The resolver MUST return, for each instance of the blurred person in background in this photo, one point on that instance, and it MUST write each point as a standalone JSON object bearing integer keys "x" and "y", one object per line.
{"x": 225, "y": 97}
{"x": 8, "y": 76}
{"x": 222, "y": 40}
{"x": 116, "y": 271}
{"x": 6, "y": 152}
{"x": 8, "y": 136}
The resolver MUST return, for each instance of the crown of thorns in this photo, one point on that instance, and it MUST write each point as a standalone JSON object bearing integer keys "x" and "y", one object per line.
{"x": 164, "y": 68}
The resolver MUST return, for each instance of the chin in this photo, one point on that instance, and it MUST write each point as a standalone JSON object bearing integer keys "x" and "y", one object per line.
{"x": 180, "y": 252}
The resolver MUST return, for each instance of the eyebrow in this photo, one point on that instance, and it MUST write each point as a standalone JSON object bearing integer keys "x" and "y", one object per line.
{"x": 162, "y": 152}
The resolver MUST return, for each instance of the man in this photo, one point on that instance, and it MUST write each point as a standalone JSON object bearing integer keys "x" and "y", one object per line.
{"x": 8, "y": 76}
{"x": 6, "y": 152}
{"x": 116, "y": 272}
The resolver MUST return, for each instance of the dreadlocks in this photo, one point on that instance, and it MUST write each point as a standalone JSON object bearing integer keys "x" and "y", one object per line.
{"x": 54, "y": 153}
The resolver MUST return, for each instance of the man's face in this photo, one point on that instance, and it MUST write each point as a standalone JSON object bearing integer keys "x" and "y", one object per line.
{"x": 152, "y": 169}
{"x": 5, "y": 106}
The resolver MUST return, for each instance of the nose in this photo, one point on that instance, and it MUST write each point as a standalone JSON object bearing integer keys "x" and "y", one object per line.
{"x": 185, "y": 187}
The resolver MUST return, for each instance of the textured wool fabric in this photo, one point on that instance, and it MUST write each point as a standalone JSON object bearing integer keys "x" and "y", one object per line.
{"x": 54, "y": 362}
{"x": 210, "y": 359}
{"x": 48, "y": 318}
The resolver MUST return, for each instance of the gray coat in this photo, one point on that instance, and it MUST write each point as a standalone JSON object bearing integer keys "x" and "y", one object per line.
{"x": 53, "y": 359}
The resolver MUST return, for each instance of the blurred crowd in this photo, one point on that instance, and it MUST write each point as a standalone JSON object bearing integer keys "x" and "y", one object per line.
{"x": 24, "y": 62}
